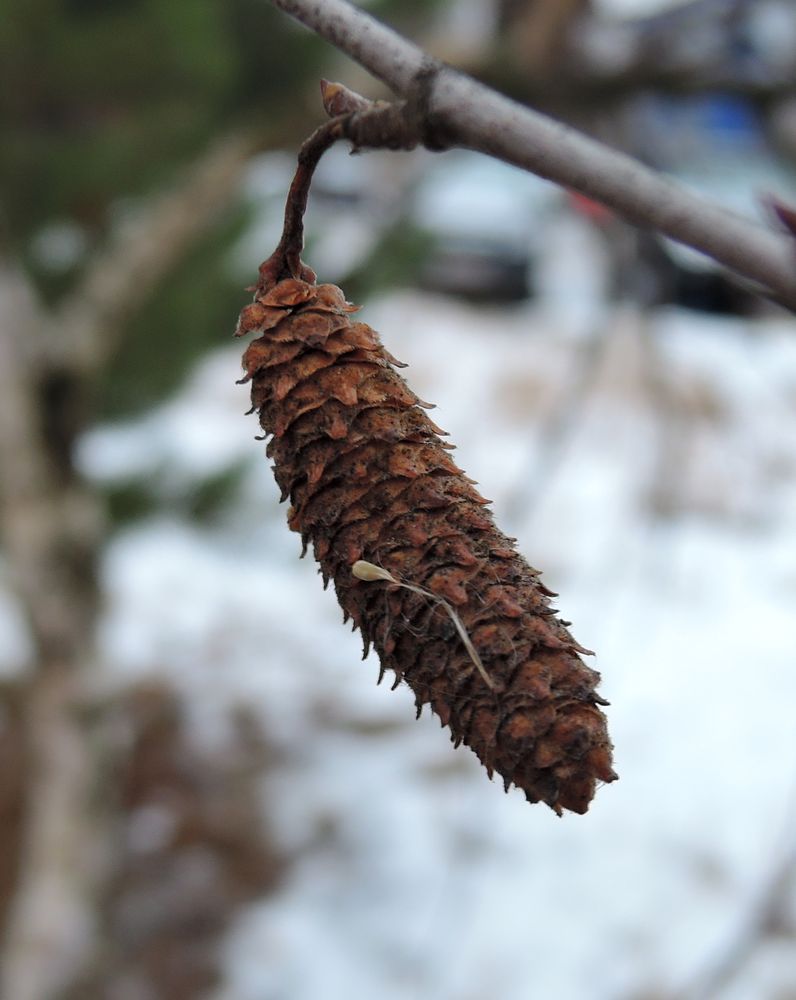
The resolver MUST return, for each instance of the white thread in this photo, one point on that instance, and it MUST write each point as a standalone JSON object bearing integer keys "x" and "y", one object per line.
{"x": 369, "y": 572}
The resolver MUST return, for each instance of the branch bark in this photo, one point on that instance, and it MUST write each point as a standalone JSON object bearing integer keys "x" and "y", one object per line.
{"x": 474, "y": 116}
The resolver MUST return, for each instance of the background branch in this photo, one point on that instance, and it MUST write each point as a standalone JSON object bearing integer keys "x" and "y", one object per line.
{"x": 51, "y": 531}
{"x": 89, "y": 323}
{"x": 52, "y": 528}
{"x": 479, "y": 118}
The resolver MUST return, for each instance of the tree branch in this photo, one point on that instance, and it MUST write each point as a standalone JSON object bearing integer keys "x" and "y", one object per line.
{"x": 479, "y": 118}
{"x": 367, "y": 125}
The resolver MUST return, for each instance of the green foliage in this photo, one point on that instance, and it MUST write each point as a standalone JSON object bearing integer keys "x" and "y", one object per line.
{"x": 277, "y": 59}
{"x": 130, "y": 500}
{"x": 213, "y": 495}
{"x": 396, "y": 260}
{"x": 98, "y": 100}
{"x": 101, "y": 100}
{"x": 204, "y": 501}
{"x": 186, "y": 316}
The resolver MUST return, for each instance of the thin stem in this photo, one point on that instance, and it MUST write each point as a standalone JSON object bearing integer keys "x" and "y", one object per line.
{"x": 366, "y": 124}
{"x": 285, "y": 261}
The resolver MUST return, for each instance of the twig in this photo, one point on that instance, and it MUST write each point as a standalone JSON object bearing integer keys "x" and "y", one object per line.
{"x": 285, "y": 261}
{"x": 367, "y": 125}
{"x": 477, "y": 117}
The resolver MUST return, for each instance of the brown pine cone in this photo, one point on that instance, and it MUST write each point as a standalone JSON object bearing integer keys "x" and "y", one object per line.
{"x": 369, "y": 478}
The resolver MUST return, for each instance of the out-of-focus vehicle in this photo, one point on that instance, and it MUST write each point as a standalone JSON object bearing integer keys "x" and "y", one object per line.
{"x": 483, "y": 218}
{"x": 715, "y": 146}
{"x": 747, "y": 44}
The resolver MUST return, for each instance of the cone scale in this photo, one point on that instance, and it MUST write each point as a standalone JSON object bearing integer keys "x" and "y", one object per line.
{"x": 371, "y": 480}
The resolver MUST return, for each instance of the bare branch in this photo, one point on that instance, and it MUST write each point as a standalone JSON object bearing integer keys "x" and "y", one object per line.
{"x": 474, "y": 116}
{"x": 367, "y": 125}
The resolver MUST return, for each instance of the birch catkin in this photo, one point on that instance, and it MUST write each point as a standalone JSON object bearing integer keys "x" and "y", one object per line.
{"x": 452, "y": 609}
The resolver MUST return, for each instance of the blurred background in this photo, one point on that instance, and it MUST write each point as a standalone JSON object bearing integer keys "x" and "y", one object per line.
{"x": 203, "y": 794}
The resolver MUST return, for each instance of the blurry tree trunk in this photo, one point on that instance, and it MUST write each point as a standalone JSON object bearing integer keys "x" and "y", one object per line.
{"x": 50, "y": 927}
{"x": 52, "y": 532}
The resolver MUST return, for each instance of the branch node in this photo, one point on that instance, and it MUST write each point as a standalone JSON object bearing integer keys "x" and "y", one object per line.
{"x": 366, "y": 124}
{"x": 427, "y": 126}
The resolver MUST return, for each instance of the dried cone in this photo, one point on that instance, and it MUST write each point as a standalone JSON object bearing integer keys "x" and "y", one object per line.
{"x": 369, "y": 478}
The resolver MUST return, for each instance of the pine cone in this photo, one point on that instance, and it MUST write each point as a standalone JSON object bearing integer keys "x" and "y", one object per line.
{"x": 369, "y": 478}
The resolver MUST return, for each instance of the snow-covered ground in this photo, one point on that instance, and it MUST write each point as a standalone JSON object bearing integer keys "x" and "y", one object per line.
{"x": 635, "y": 8}
{"x": 648, "y": 467}
{"x": 414, "y": 877}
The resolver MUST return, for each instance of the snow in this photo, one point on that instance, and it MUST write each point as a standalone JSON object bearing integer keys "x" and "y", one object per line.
{"x": 635, "y": 8}
{"x": 413, "y": 875}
